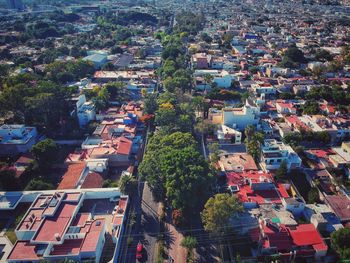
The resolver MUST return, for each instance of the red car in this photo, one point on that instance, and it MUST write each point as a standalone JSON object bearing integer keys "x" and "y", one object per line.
{"x": 139, "y": 250}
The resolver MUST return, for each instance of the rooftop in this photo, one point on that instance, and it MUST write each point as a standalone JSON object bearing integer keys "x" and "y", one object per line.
{"x": 71, "y": 177}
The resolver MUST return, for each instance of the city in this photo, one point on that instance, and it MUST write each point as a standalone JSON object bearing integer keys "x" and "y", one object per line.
{"x": 175, "y": 131}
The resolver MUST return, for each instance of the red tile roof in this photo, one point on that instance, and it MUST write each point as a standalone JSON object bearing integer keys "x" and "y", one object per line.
{"x": 71, "y": 178}
{"x": 285, "y": 238}
{"x": 92, "y": 237}
{"x": 93, "y": 180}
{"x": 55, "y": 225}
{"x": 69, "y": 247}
{"x": 340, "y": 205}
{"x": 124, "y": 146}
{"x": 306, "y": 235}
{"x": 23, "y": 249}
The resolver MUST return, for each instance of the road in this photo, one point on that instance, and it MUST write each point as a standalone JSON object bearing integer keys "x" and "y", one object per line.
{"x": 149, "y": 223}
{"x": 145, "y": 230}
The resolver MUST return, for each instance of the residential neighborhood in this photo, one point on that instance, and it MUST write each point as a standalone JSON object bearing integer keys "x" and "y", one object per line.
{"x": 175, "y": 131}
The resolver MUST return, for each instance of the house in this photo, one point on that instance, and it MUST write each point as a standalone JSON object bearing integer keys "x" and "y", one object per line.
{"x": 93, "y": 180}
{"x": 200, "y": 61}
{"x": 116, "y": 150}
{"x": 255, "y": 188}
{"x": 64, "y": 225}
{"x": 76, "y": 172}
{"x": 285, "y": 107}
{"x": 229, "y": 135}
{"x": 237, "y": 162}
{"x": 22, "y": 163}
{"x": 221, "y": 78}
{"x": 98, "y": 60}
{"x": 322, "y": 217}
{"x": 86, "y": 111}
{"x": 264, "y": 88}
{"x": 340, "y": 204}
{"x": 289, "y": 242}
{"x": 237, "y": 118}
{"x": 273, "y": 153}
{"x": 16, "y": 139}
{"x": 239, "y": 50}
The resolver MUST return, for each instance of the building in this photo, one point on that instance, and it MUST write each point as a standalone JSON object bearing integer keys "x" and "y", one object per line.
{"x": 200, "y": 61}
{"x": 322, "y": 217}
{"x": 273, "y": 153}
{"x": 67, "y": 225}
{"x": 221, "y": 78}
{"x": 99, "y": 60}
{"x": 237, "y": 118}
{"x": 237, "y": 162}
{"x": 340, "y": 204}
{"x": 289, "y": 242}
{"x": 229, "y": 135}
{"x": 255, "y": 188}
{"x": 16, "y": 139}
{"x": 285, "y": 107}
{"x": 85, "y": 111}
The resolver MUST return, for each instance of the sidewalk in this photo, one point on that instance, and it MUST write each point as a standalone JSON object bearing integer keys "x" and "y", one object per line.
{"x": 176, "y": 251}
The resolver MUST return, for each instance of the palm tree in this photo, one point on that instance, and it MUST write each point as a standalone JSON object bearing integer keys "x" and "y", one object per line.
{"x": 208, "y": 79}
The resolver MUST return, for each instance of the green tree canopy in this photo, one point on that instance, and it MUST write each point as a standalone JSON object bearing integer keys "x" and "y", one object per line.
{"x": 174, "y": 168}
{"x": 340, "y": 241}
{"x": 45, "y": 152}
{"x": 218, "y": 211}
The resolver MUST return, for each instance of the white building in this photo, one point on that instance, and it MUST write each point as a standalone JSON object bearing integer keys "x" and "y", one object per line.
{"x": 228, "y": 134}
{"x": 15, "y": 139}
{"x": 236, "y": 118}
{"x": 63, "y": 225}
{"x": 222, "y": 79}
{"x": 274, "y": 153}
{"x": 240, "y": 118}
{"x": 85, "y": 111}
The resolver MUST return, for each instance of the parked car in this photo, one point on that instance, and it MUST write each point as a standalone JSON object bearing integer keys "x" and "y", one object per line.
{"x": 139, "y": 250}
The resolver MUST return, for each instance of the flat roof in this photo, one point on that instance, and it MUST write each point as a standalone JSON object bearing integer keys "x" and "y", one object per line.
{"x": 56, "y": 225}
{"x": 23, "y": 248}
{"x": 9, "y": 200}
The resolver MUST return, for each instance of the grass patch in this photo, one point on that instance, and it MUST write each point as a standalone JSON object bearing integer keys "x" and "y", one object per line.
{"x": 11, "y": 235}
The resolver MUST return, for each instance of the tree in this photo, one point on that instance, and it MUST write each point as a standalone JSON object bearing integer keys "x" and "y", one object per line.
{"x": 313, "y": 195}
{"x": 8, "y": 180}
{"x": 190, "y": 243}
{"x": 218, "y": 211}
{"x": 253, "y": 141}
{"x": 128, "y": 184}
{"x": 165, "y": 117}
{"x": 282, "y": 171}
{"x": 175, "y": 169}
{"x": 323, "y": 55}
{"x": 208, "y": 79}
{"x": 150, "y": 103}
{"x": 39, "y": 184}
{"x": 45, "y": 153}
{"x": 340, "y": 241}
{"x": 117, "y": 91}
{"x": 311, "y": 107}
{"x": 295, "y": 54}
{"x": 214, "y": 149}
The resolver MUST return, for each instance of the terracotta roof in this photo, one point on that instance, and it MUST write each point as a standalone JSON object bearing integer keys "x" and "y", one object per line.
{"x": 93, "y": 180}
{"x": 340, "y": 205}
{"x": 22, "y": 248}
{"x": 71, "y": 177}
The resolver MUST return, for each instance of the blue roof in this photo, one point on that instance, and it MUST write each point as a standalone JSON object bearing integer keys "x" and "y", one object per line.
{"x": 98, "y": 58}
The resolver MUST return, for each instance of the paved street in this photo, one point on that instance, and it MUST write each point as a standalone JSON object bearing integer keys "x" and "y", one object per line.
{"x": 145, "y": 230}
{"x": 149, "y": 224}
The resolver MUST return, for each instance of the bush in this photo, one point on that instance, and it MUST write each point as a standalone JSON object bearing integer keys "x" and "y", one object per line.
{"x": 313, "y": 196}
